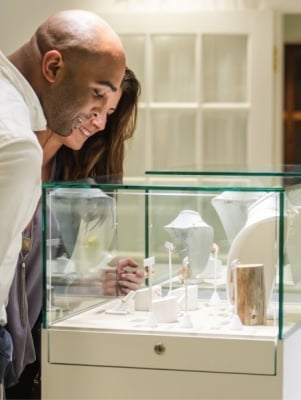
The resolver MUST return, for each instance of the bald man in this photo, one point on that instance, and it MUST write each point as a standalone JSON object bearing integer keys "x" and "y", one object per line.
{"x": 60, "y": 75}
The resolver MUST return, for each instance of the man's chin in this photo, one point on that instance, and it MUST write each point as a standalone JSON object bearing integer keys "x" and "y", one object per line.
{"x": 61, "y": 131}
{"x": 65, "y": 133}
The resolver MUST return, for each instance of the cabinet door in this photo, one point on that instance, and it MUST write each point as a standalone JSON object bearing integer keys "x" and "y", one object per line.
{"x": 292, "y": 105}
{"x": 207, "y": 89}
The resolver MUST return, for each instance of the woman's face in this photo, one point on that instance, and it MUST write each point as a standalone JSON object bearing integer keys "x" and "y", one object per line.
{"x": 81, "y": 89}
{"x": 87, "y": 125}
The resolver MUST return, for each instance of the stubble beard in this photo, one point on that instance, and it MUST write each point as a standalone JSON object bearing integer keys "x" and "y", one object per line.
{"x": 59, "y": 109}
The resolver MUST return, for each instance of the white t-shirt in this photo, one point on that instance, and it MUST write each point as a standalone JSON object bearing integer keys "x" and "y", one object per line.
{"x": 20, "y": 168}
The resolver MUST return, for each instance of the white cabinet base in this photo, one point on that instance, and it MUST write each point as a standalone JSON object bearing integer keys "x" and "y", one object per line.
{"x": 78, "y": 381}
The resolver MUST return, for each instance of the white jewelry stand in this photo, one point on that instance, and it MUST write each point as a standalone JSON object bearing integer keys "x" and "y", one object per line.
{"x": 87, "y": 222}
{"x": 142, "y": 297}
{"x": 185, "y": 320}
{"x": 256, "y": 243}
{"x": 149, "y": 263}
{"x": 124, "y": 306}
{"x": 215, "y": 299}
{"x": 192, "y": 237}
{"x": 171, "y": 248}
{"x": 232, "y": 209}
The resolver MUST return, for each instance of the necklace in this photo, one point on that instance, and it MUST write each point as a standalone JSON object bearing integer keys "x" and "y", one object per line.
{"x": 27, "y": 240}
{"x": 26, "y": 243}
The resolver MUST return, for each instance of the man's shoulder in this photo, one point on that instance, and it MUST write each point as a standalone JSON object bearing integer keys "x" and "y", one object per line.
{"x": 17, "y": 132}
{"x": 17, "y": 97}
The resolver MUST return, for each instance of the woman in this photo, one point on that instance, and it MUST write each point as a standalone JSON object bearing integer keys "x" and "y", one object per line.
{"x": 94, "y": 149}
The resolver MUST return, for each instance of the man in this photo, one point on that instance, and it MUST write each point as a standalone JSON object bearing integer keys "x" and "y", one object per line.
{"x": 73, "y": 61}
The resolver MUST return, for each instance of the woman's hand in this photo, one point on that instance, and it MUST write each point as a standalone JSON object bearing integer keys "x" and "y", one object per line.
{"x": 122, "y": 278}
{"x": 129, "y": 277}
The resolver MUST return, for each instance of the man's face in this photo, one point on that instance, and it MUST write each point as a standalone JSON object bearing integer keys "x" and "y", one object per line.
{"x": 83, "y": 89}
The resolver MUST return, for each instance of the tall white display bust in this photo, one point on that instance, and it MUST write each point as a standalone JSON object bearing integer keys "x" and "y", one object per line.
{"x": 218, "y": 316}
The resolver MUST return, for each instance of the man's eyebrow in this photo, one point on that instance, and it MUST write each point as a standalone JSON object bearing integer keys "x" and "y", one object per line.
{"x": 109, "y": 84}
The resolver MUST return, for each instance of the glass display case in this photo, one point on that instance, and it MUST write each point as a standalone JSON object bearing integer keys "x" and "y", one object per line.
{"x": 222, "y": 288}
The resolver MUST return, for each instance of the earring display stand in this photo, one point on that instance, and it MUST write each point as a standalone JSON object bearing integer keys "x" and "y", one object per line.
{"x": 184, "y": 274}
{"x": 171, "y": 248}
{"x": 151, "y": 320}
{"x": 215, "y": 299}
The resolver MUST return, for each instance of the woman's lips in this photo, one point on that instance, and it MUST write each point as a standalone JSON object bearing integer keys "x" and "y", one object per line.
{"x": 85, "y": 131}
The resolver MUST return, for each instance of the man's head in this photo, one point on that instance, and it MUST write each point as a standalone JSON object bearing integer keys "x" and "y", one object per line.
{"x": 74, "y": 61}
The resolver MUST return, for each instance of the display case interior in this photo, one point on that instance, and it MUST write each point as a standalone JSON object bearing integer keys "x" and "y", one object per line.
{"x": 220, "y": 252}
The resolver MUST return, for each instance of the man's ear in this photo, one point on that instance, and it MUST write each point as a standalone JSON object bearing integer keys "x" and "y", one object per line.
{"x": 52, "y": 62}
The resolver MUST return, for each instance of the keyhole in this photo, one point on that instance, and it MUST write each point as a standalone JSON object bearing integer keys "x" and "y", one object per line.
{"x": 159, "y": 348}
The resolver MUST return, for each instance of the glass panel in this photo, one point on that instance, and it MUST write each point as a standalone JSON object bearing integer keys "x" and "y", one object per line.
{"x": 173, "y": 68}
{"x": 221, "y": 130}
{"x": 135, "y": 54}
{"x": 134, "y": 149}
{"x": 173, "y": 138}
{"x": 225, "y": 68}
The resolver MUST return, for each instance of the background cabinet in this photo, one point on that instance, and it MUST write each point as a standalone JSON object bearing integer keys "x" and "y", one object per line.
{"x": 207, "y": 89}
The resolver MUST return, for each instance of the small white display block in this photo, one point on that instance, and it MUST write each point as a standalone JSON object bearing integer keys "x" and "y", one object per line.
{"x": 142, "y": 297}
{"x": 165, "y": 309}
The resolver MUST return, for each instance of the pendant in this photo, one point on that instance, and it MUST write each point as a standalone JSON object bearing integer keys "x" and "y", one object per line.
{"x": 26, "y": 244}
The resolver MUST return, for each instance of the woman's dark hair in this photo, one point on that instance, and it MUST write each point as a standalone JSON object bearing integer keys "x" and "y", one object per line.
{"x": 102, "y": 155}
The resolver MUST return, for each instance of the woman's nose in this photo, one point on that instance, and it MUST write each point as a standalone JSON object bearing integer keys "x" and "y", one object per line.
{"x": 98, "y": 120}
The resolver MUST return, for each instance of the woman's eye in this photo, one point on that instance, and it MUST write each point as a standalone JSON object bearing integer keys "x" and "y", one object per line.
{"x": 98, "y": 93}
{"x": 110, "y": 112}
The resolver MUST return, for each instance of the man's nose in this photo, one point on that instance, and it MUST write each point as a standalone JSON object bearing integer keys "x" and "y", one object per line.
{"x": 99, "y": 120}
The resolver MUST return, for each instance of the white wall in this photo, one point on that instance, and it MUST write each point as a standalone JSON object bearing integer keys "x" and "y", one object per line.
{"x": 19, "y": 18}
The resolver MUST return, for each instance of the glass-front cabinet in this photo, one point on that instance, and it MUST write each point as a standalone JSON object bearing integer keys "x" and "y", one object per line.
{"x": 208, "y": 89}
{"x": 220, "y": 303}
